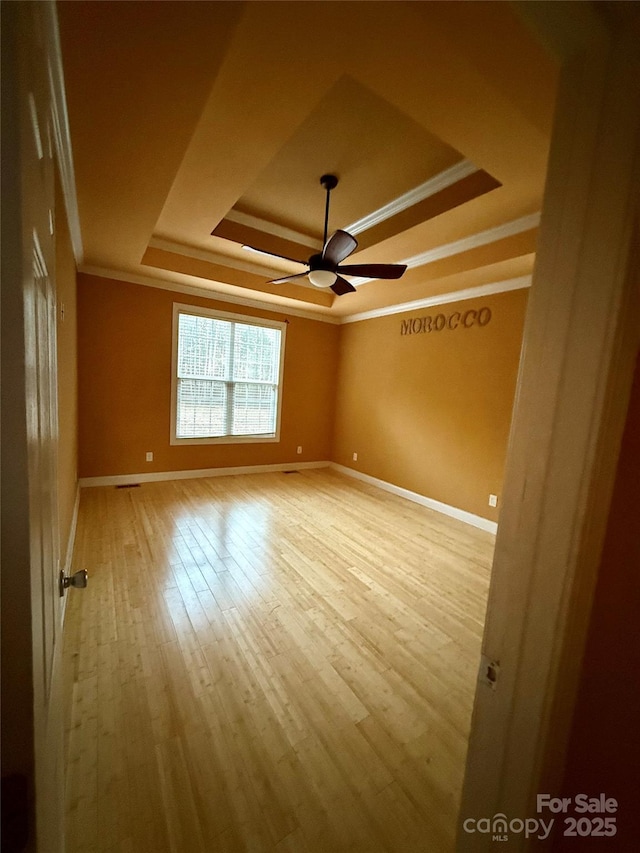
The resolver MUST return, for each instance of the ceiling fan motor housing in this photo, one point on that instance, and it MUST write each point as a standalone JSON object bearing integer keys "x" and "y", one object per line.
{"x": 317, "y": 262}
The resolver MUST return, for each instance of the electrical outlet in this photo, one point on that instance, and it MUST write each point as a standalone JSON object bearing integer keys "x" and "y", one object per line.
{"x": 299, "y": 450}
{"x": 355, "y": 457}
{"x": 149, "y": 456}
{"x": 493, "y": 500}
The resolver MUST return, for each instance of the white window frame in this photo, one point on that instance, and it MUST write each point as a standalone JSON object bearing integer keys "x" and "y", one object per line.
{"x": 196, "y": 310}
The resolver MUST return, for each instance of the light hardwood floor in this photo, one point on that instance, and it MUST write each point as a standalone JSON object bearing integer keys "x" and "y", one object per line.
{"x": 270, "y": 662}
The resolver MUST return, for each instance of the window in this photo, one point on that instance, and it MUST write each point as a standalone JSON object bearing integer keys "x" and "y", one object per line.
{"x": 227, "y": 377}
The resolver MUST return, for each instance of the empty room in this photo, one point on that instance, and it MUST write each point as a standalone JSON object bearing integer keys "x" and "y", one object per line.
{"x": 322, "y": 419}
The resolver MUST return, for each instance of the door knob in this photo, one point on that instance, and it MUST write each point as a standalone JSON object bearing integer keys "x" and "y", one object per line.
{"x": 78, "y": 580}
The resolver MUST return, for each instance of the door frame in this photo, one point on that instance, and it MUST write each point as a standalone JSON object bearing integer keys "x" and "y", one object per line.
{"x": 581, "y": 340}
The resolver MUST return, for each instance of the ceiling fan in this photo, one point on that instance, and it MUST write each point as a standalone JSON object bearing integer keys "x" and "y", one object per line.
{"x": 326, "y": 268}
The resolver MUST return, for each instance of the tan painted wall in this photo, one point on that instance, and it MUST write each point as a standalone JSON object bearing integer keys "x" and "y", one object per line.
{"x": 430, "y": 412}
{"x": 67, "y": 375}
{"x": 124, "y": 364}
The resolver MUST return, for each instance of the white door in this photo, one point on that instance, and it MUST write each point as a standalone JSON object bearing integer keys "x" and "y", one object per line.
{"x": 42, "y": 425}
{"x": 30, "y": 580}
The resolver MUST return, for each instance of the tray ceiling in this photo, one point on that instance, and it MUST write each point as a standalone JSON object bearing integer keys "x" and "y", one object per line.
{"x": 200, "y": 127}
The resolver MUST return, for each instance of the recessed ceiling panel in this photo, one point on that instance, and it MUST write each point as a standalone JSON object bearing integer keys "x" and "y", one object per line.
{"x": 377, "y": 152}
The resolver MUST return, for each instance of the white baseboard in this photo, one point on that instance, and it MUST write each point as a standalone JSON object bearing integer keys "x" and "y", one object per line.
{"x": 157, "y": 476}
{"x": 438, "y": 506}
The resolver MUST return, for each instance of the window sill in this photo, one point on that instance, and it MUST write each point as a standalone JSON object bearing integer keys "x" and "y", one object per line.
{"x": 227, "y": 439}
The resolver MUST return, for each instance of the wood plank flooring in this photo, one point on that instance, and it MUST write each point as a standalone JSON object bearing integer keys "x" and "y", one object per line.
{"x": 269, "y": 663}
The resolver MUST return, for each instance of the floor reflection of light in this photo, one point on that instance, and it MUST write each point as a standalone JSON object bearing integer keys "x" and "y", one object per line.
{"x": 223, "y": 547}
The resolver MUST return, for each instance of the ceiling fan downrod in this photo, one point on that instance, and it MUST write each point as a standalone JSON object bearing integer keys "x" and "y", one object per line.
{"x": 329, "y": 182}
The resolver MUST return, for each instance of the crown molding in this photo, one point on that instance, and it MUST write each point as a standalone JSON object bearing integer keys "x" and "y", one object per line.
{"x": 273, "y": 228}
{"x": 482, "y": 238}
{"x": 61, "y": 132}
{"x": 205, "y": 293}
{"x": 446, "y": 250}
{"x": 210, "y": 257}
{"x": 434, "y": 185}
{"x": 443, "y": 299}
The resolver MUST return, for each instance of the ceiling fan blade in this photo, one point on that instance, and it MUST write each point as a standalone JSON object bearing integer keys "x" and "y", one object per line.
{"x": 338, "y": 247}
{"x": 288, "y": 278}
{"x": 374, "y": 270}
{"x": 342, "y": 286}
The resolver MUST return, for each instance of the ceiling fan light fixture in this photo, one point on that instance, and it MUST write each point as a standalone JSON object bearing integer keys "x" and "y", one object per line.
{"x": 322, "y": 278}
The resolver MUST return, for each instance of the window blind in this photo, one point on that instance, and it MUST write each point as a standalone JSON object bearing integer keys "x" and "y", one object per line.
{"x": 227, "y": 378}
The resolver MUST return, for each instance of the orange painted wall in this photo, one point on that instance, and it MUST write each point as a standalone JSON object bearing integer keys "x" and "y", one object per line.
{"x": 124, "y": 376}
{"x": 431, "y": 412}
{"x": 604, "y": 749}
